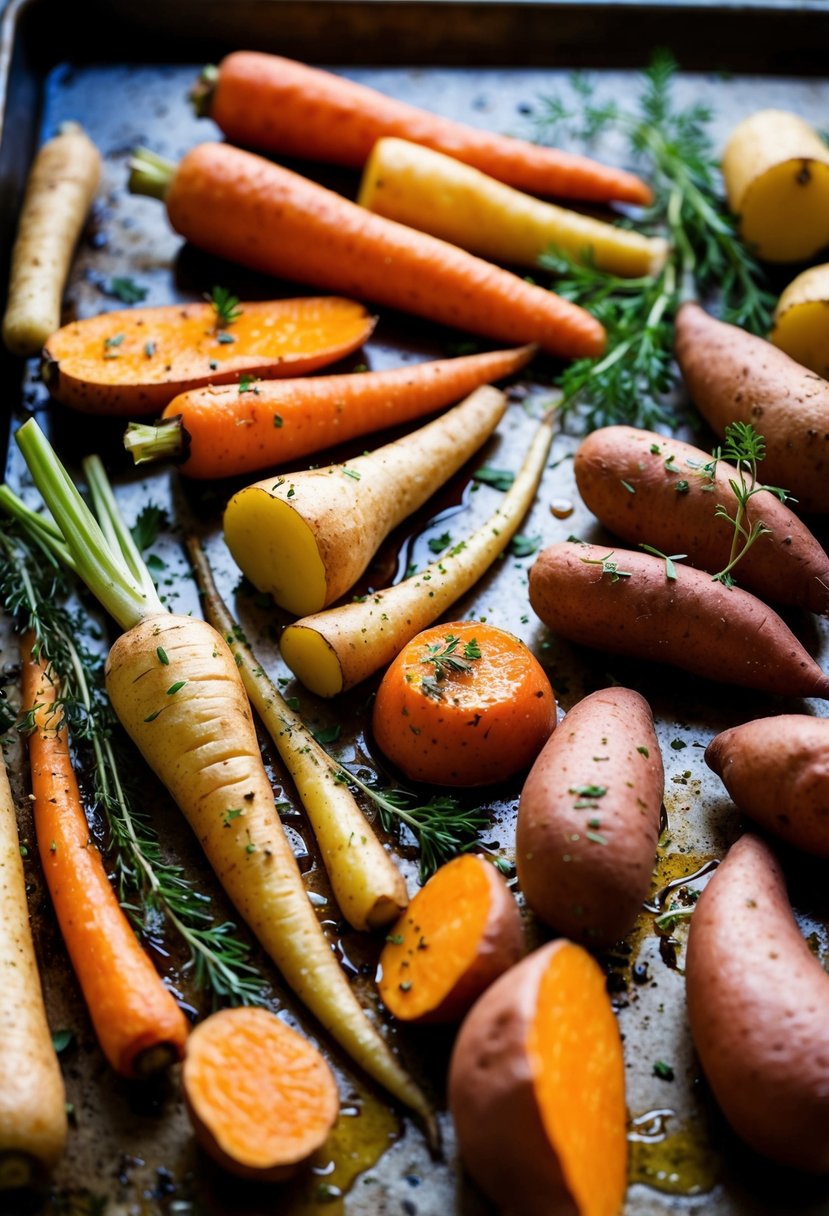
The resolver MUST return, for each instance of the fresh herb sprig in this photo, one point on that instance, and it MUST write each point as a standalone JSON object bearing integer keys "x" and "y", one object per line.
{"x": 441, "y": 827}
{"x": 152, "y": 891}
{"x": 226, "y": 307}
{"x": 446, "y": 660}
{"x": 672, "y": 149}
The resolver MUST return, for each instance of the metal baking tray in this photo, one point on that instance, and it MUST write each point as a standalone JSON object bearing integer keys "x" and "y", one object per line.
{"x": 123, "y": 70}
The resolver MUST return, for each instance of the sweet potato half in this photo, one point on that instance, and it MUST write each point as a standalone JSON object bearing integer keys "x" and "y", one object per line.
{"x": 758, "y": 1003}
{"x": 537, "y": 1089}
{"x": 588, "y": 819}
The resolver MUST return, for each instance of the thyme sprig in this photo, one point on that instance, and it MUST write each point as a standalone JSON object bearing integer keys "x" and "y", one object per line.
{"x": 152, "y": 891}
{"x": 446, "y": 661}
{"x": 672, "y": 149}
{"x": 442, "y": 827}
{"x": 226, "y": 307}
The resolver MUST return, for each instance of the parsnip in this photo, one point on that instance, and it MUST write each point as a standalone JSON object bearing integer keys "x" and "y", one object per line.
{"x": 32, "y": 1097}
{"x": 801, "y": 320}
{"x": 334, "y": 650}
{"x": 425, "y": 189}
{"x": 59, "y": 192}
{"x": 776, "y": 171}
{"x": 307, "y": 537}
{"x": 367, "y": 884}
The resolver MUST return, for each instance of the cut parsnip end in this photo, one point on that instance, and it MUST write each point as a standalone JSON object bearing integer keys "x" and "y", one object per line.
{"x": 275, "y": 547}
{"x": 801, "y": 320}
{"x": 776, "y": 171}
{"x": 308, "y": 652}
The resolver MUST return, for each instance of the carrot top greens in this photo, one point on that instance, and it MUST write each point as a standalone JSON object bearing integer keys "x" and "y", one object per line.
{"x": 672, "y": 148}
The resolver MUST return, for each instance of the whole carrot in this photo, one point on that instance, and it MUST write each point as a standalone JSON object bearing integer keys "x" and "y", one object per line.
{"x": 249, "y": 210}
{"x": 279, "y": 105}
{"x": 138, "y": 1023}
{"x": 220, "y": 431}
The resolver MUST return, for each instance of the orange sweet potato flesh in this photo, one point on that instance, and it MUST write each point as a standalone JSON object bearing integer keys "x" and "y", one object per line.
{"x": 588, "y": 819}
{"x": 734, "y": 377}
{"x": 777, "y": 771}
{"x": 691, "y": 622}
{"x": 458, "y": 934}
{"x": 652, "y": 490}
{"x": 260, "y": 1096}
{"x": 134, "y": 361}
{"x": 536, "y": 1089}
{"x": 758, "y": 1004}
{"x": 473, "y": 727}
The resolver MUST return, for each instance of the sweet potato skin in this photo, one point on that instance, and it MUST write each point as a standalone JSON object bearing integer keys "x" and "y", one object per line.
{"x": 494, "y": 1102}
{"x": 623, "y": 477}
{"x": 691, "y": 622}
{"x": 734, "y": 377}
{"x": 758, "y": 1003}
{"x": 585, "y": 862}
{"x": 777, "y": 771}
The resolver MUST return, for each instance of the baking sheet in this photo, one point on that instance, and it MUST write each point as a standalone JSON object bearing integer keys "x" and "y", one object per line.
{"x": 131, "y": 1146}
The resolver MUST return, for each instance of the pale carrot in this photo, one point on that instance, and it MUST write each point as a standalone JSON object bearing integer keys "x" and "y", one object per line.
{"x": 247, "y": 209}
{"x": 279, "y": 105}
{"x": 135, "y": 360}
{"x": 260, "y": 1097}
{"x": 220, "y": 432}
{"x": 138, "y": 1023}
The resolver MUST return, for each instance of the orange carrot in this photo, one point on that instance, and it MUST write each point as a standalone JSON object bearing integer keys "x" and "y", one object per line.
{"x": 459, "y": 933}
{"x": 261, "y": 1097}
{"x": 221, "y": 432}
{"x": 135, "y": 360}
{"x": 281, "y": 106}
{"x": 463, "y": 704}
{"x": 249, "y": 210}
{"x": 138, "y": 1023}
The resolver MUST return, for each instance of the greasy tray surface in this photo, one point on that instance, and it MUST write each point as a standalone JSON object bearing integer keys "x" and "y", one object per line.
{"x": 134, "y": 1146}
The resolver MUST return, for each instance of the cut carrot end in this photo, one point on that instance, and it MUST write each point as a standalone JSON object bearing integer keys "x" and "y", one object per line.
{"x": 261, "y": 1097}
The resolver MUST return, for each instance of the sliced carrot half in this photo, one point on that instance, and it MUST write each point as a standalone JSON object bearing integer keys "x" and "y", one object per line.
{"x": 134, "y": 361}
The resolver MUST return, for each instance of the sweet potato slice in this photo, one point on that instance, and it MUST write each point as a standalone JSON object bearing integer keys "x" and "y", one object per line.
{"x": 134, "y": 361}
{"x": 261, "y": 1097}
{"x": 459, "y": 933}
{"x": 537, "y": 1089}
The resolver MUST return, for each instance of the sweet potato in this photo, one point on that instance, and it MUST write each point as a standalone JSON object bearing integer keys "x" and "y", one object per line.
{"x": 777, "y": 771}
{"x": 758, "y": 1003}
{"x": 537, "y": 1089}
{"x": 801, "y": 320}
{"x": 588, "y": 819}
{"x": 734, "y": 377}
{"x": 776, "y": 171}
{"x": 626, "y": 603}
{"x": 459, "y": 933}
{"x": 655, "y": 491}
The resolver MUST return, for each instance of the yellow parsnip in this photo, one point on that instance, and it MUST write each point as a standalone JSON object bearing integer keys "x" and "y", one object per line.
{"x": 437, "y": 194}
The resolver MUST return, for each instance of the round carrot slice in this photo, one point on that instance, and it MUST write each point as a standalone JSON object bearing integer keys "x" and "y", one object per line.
{"x": 261, "y": 1097}
{"x": 463, "y": 704}
{"x": 460, "y": 932}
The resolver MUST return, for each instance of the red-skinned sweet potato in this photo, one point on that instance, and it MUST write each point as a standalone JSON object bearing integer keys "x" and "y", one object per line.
{"x": 777, "y": 771}
{"x": 758, "y": 1003}
{"x": 651, "y": 490}
{"x": 537, "y": 1089}
{"x": 625, "y": 603}
{"x": 458, "y": 934}
{"x": 734, "y": 377}
{"x": 588, "y": 819}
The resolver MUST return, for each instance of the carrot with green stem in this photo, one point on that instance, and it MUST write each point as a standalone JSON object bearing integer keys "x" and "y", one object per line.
{"x": 32, "y": 1097}
{"x": 279, "y": 105}
{"x": 332, "y": 651}
{"x": 175, "y": 686}
{"x": 138, "y": 1023}
{"x": 219, "y": 432}
{"x": 249, "y": 210}
{"x": 367, "y": 884}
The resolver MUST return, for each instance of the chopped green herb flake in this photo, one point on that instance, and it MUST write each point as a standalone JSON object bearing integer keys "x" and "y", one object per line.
{"x": 162, "y": 656}
{"x": 174, "y": 688}
{"x": 589, "y": 791}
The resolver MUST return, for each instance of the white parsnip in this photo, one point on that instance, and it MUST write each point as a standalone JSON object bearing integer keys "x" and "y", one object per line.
{"x": 334, "y": 650}
{"x": 62, "y": 184}
{"x": 307, "y": 537}
{"x": 32, "y": 1097}
{"x": 367, "y": 885}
